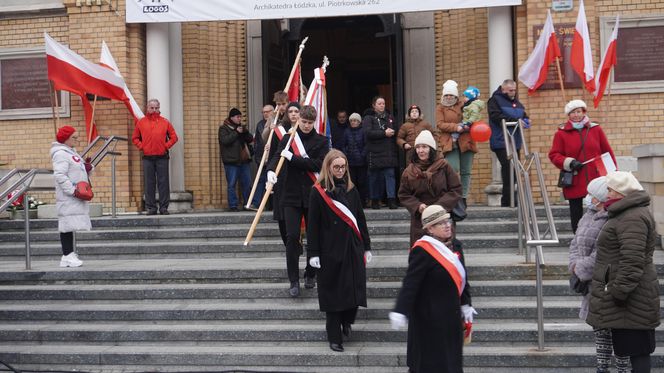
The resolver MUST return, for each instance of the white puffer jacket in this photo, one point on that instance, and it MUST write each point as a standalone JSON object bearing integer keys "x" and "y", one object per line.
{"x": 69, "y": 169}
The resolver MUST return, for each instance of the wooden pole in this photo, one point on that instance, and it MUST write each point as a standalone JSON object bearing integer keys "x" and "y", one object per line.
{"x": 276, "y": 117}
{"x": 92, "y": 119}
{"x": 54, "y": 105}
{"x": 560, "y": 78}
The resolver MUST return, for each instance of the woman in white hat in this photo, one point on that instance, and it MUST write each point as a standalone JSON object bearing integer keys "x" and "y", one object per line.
{"x": 624, "y": 293}
{"x": 576, "y": 142}
{"x": 434, "y": 301}
{"x": 428, "y": 180}
{"x": 582, "y": 253}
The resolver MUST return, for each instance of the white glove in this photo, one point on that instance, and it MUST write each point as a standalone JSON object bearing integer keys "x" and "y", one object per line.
{"x": 367, "y": 256}
{"x": 271, "y": 177}
{"x": 287, "y": 154}
{"x": 467, "y": 313}
{"x": 398, "y": 321}
{"x": 314, "y": 261}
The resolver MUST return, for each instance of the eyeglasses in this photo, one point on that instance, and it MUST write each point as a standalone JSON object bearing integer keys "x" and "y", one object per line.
{"x": 445, "y": 222}
{"x": 338, "y": 167}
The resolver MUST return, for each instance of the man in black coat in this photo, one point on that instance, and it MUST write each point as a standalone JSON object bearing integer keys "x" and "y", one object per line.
{"x": 259, "y": 147}
{"x": 300, "y": 177}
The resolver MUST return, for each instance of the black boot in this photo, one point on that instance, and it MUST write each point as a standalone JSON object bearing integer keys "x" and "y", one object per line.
{"x": 375, "y": 204}
{"x": 392, "y": 203}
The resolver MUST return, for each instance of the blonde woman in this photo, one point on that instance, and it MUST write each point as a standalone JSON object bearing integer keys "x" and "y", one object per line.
{"x": 339, "y": 246}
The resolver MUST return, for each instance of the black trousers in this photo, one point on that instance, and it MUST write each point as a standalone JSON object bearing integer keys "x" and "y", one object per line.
{"x": 501, "y": 154}
{"x": 292, "y": 217}
{"x": 575, "y": 212}
{"x": 155, "y": 173}
{"x": 282, "y": 231}
{"x": 334, "y": 321}
{"x": 358, "y": 174}
{"x": 67, "y": 242}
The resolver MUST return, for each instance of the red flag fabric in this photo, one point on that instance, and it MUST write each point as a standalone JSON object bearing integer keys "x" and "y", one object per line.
{"x": 609, "y": 60}
{"x": 73, "y": 73}
{"x": 533, "y": 72}
{"x": 294, "y": 88}
{"x": 581, "y": 56}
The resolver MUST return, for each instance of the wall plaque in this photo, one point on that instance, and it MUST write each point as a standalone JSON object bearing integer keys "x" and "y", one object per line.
{"x": 565, "y": 36}
{"x": 24, "y": 83}
{"x": 640, "y": 54}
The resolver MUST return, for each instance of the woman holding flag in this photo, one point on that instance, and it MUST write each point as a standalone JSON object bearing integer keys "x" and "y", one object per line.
{"x": 434, "y": 300}
{"x": 339, "y": 246}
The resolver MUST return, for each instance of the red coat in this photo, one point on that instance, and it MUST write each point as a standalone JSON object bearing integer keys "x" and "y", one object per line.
{"x": 154, "y": 136}
{"x": 567, "y": 147}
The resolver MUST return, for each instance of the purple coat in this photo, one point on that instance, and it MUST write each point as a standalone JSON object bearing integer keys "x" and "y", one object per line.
{"x": 583, "y": 249}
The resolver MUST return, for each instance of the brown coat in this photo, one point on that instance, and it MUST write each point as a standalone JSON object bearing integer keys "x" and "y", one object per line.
{"x": 409, "y": 131}
{"x": 447, "y": 122}
{"x": 437, "y": 185}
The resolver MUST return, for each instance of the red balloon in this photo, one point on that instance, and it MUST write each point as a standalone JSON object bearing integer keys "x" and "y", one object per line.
{"x": 480, "y": 131}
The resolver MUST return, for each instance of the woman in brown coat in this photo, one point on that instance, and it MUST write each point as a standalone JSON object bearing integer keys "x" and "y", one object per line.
{"x": 410, "y": 129}
{"x": 428, "y": 180}
{"x": 453, "y": 138}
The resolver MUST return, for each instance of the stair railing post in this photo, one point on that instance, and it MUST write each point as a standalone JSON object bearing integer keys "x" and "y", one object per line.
{"x": 540, "y": 301}
{"x": 26, "y": 210}
{"x": 113, "y": 207}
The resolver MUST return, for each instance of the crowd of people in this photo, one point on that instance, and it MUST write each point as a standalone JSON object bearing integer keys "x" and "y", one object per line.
{"x": 326, "y": 185}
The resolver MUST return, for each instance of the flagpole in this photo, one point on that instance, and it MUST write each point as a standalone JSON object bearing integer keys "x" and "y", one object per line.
{"x": 274, "y": 123}
{"x": 560, "y": 78}
{"x": 92, "y": 119}
{"x": 54, "y": 102}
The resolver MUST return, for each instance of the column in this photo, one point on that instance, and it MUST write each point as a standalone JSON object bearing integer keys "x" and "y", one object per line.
{"x": 419, "y": 62}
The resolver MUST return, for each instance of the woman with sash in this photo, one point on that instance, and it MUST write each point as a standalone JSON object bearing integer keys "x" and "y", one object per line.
{"x": 339, "y": 246}
{"x": 434, "y": 301}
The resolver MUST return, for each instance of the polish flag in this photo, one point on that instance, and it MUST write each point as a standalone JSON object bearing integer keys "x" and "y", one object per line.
{"x": 603, "y": 163}
{"x": 294, "y": 88}
{"x": 73, "y": 73}
{"x": 609, "y": 60}
{"x": 317, "y": 97}
{"x": 533, "y": 72}
{"x": 106, "y": 59}
{"x": 581, "y": 57}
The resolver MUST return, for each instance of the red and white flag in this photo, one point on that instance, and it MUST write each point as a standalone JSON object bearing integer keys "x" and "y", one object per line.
{"x": 106, "y": 59}
{"x": 604, "y": 164}
{"x": 581, "y": 57}
{"x": 73, "y": 73}
{"x": 533, "y": 72}
{"x": 317, "y": 97}
{"x": 609, "y": 60}
{"x": 294, "y": 88}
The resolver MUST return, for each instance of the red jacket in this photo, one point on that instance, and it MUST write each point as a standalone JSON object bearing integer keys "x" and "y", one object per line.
{"x": 567, "y": 147}
{"x": 154, "y": 136}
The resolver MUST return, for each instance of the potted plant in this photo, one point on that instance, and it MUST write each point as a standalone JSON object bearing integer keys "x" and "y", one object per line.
{"x": 16, "y": 209}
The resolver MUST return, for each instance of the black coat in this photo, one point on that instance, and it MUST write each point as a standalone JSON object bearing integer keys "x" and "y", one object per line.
{"x": 381, "y": 150}
{"x": 278, "y": 188}
{"x": 297, "y": 184}
{"x": 430, "y": 300}
{"x": 342, "y": 279}
{"x": 259, "y": 144}
{"x": 231, "y": 142}
{"x": 355, "y": 147}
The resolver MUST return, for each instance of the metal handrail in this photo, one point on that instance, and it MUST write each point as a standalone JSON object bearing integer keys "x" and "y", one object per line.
{"x": 102, "y": 152}
{"x": 527, "y": 214}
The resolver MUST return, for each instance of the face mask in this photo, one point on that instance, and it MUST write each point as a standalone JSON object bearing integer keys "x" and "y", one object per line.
{"x": 577, "y": 125}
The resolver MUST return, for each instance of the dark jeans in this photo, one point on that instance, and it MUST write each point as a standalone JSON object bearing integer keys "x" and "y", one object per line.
{"x": 380, "y": 181}
{"x": 293, "y": 217}
{"x": 235, "y": 173}
{"x": 358, "y": 174}
{"x": 67, "y": 241}
{"x": 334, "y": 321}
{"x": 155, "y": 172}
{"x": 575, "y": 212}
{"x": 501, "y": 154}
{"x": 260, "y": 188}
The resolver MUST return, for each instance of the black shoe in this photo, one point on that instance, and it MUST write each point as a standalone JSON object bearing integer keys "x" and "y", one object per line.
{"x": 347, "y": 330}
{"x": 294, "y": 290}
{"x": 375, "y": 204}
{"x": 151, "y": 212}
{"x": 234, "y": 209}
{"x": 392, "y": 204}
{"x": 164, "y": 212}
{"x": 309, "y": 283}
{"x": 336, "y": 347}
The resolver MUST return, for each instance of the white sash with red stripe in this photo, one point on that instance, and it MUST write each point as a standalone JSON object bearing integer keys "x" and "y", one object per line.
{"x": 340, "y": 210}
{"x": 298, "y": 149}
{"x": 280, "y": 131}
{"x": 446, "y": 257}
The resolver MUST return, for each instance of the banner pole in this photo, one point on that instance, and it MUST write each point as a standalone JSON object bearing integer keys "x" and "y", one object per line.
{"x": 92, "y": 119}
{"x": 560, "y": 78}
{"x": 54, "y": 102}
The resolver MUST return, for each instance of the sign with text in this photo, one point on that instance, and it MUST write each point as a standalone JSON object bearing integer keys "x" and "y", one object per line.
{"x": 24, "y": 83}
{"x": 565, "y": 36}
{"x": 640, "y": 52}
{"x": 149, "y": 11}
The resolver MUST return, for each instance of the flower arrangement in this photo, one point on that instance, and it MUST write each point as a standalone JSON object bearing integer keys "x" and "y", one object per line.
{"x": 18, "y": 204}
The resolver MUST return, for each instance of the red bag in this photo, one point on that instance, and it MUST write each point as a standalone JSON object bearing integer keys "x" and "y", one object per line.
{"x": 83, "y": 191}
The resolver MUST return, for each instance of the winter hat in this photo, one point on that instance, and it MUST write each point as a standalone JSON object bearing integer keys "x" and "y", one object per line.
{"x": 432, "y": 215}
{"x": 293, "y": 104}
{"x": 355, "y": 116}
{"x": 472, "y": 92}
{"x": 575, "y": 104}
{"x": 597, "y": 188}
{"x": 450, "y": 87}
{"x": 623, "y": 182}
{"x": 234, "y": 112}
{"x": 411, "y": 107}
{"x": 64, "y": 133}
{"x": 425, "y": 137}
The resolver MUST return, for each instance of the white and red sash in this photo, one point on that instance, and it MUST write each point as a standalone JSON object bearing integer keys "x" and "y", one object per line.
{"x": 298, "y": 149}
{"x": 340, "y": 210}
{"x": 446, "y": 257}
{"x": 280, "y": 131}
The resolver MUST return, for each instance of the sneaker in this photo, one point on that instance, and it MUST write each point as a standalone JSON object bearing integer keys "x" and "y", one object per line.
{"x": 294, "y": 290}
{"x": 309, "y": 283}
{"x": 70, "y": 260}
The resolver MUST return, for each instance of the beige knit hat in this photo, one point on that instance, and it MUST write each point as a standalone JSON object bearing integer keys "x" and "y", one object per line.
{"x": 355, "y": 116}
{"x": 432, "y": 215}
{"x": 597, "y": 188}
{"x": 575, "y": 104}
{"x": 425, "y": 137}
{"x": 451, "y": 87}
{"x": 623, "y": 182}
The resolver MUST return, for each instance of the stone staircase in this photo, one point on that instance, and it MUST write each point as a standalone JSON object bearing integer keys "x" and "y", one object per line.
{"x": 182, "y": 293}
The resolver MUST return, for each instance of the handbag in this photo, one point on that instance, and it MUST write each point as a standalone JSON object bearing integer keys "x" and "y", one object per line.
{"x": 459, "y": 211}
{"x": 83, "y": 191}
{"x": 565, "y": 179}
{"x": 578, "y": 286}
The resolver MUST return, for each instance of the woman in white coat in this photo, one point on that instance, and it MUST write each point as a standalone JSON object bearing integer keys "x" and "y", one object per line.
{"x": 73, "y": 213}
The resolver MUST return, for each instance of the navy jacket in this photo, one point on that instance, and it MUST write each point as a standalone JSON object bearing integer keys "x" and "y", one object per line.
{"x": 502, "y": 107}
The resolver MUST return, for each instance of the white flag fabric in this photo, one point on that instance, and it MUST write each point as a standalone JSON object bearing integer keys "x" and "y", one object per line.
{"x": 106, "y": 59}
{"x": 533, "y": 72}
{"x": 317, "y": 97}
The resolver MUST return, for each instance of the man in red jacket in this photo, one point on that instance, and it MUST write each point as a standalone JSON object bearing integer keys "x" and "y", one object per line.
{"x": 154, "y": 135}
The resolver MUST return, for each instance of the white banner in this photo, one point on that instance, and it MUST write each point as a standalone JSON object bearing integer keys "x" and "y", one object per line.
{"x": 147, "y": 11}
